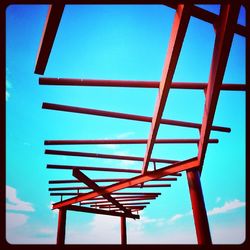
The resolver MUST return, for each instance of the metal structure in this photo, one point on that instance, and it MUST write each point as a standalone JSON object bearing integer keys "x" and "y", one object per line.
{"x": 109, "y": 199}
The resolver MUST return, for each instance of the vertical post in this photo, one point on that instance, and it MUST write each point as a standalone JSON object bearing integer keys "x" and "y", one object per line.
{"x": 123, "y": 231}
{"x": 198, "y": 206}
{"x": 61, "y": 226}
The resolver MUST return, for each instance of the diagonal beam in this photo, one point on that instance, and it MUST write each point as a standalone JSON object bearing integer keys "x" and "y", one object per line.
{"x": 179, "y": 28}
{"x": 223, "y": 41}
{"x": 82, "y": 177}
{"x": 177, "y": 167}
{"x": 141, "y": 118}
{"x": 49, "y": 33}
{"x": 99, "y": 211}
{"x": 105, "y": 156}
{"x": 122, "y": 141}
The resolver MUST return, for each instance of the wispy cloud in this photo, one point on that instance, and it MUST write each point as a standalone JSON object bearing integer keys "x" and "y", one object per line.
{"x": 55, "y": 211}
{"x": 127, "y": 163}
{"x": 8, "y": 86}
{"x": 175, "y": 218}
{"x": 14, "y": 220}
{"x": 228, "y": 206}
{"x": 218, "y": 199}
{"x": 109, "y": 146}
{"x": 125, "y": 135}
{"x": 7, "y": 95}
{"x": 47, "y": 231}
{"x": 16, "y": 204}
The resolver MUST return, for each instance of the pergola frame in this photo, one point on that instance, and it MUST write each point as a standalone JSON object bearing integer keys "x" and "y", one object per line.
{"x": 106, "y": 197}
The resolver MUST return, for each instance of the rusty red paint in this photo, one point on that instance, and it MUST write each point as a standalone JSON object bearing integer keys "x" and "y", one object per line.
{"x": 110, "y": 114}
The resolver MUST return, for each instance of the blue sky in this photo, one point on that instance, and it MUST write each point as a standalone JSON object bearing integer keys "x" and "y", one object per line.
{"x": 118, "y": 42}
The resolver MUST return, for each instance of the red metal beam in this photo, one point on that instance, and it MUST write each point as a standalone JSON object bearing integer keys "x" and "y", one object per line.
{"x": 68, "y": 167}
{"x": 132, "y": 84}
{"x": 106, "y": 156}
{"x": 83, "y": 188}
{"x": 123, "y": 231}
{"x": 82, "y": 177}
{"x": 177, "y": 167}
{"x": 125, "y": 204}
{"x": 122, "y": 141}
{"x": 104, "y": 180}
{"x": 209, "y": 17}
{"x": 61, "y": 226}
{"x": 116, "y": 194}
{"x": 99, "y": 211}
{"x": 198, "y": 206}
{"x": 133, "y": 208}
{"x": 136, "y": 193}
{"x": 181, "y": 20}
{"x": 49, "y": 33}
{"x": 223, "y": 41}
{"x": 105, "y": 202}
{"x": 141, "y": 118}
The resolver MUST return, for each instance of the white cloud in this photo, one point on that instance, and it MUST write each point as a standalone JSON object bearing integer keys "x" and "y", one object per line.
{"x": 125, "y": 135}
{"x": 101, "y": 230}
{"x": 234, "y": 233}
{"x": 47, "y": 231}
{"x": 218, "y": 199}
{"x": 109, "y": 146}
{"x": 8, "y": 86}
{"x": 127, "y": 163}
{"x": 14, "y": 220}
{"x": 14, "y": 203}
{"x": 229, "y": 205}
{"x": 7, "y": 95}
{"x": 54, "y": 211}
{"x": 175, "y": 218}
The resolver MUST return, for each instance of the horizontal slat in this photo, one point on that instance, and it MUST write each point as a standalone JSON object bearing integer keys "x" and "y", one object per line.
{"x": 69, "y": 167}
{"x": 132, "y": 84}
{"x": 104, "y": 180}
{"x": 106, "y": 156}
{"x": 82, "y": 188}
{"x": 125, "y": 141}
{"x": 88, "y": 111}
{"x": 100, "y": 211}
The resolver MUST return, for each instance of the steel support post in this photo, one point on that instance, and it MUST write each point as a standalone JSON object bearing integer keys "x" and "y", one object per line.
{"x": 198, "y": 206}
{"x": 61, "y": 226}
{"x": 123, "y": 231}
